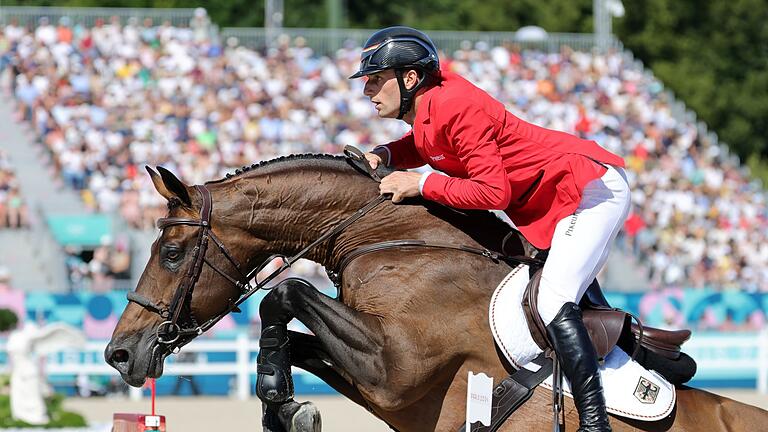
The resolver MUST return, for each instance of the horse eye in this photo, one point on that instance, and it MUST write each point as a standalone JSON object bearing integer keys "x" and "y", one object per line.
{"x": 171, "y": 256}
{"x": 171, "y": 253}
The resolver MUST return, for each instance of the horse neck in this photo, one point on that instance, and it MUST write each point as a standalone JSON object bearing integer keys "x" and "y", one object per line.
{"x": 289, "y": 209}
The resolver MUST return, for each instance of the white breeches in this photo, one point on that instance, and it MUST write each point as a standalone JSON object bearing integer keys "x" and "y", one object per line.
{"x": 582, "y": 241}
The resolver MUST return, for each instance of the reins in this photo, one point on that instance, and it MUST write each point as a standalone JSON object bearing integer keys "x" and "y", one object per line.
{"x": 169, "y": 332}
{"x": 174, "y": 335}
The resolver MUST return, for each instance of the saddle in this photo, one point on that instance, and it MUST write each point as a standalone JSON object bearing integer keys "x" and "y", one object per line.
{"x": 605, "y": 325}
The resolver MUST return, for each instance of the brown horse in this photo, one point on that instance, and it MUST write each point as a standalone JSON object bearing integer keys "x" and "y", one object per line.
{"x": 408, "y": 325}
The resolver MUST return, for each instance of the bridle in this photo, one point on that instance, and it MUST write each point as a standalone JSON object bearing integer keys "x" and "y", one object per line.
{"x": 172, "y": 335}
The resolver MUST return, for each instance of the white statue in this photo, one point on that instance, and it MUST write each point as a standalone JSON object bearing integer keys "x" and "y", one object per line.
{"x": 28, "y": 385}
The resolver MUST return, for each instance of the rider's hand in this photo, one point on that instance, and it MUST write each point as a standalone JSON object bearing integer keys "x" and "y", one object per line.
{"x": 374, "y": 159}
{"x": 401, "y": 184}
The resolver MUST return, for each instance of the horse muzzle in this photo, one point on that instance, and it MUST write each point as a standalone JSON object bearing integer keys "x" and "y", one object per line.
{"x": 136, "y": 361}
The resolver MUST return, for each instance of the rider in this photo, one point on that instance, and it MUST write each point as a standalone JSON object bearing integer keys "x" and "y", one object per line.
{"x": 563, "y": 193}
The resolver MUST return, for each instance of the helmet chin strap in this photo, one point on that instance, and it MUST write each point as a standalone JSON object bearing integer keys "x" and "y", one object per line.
{"x": 406, "y": 96}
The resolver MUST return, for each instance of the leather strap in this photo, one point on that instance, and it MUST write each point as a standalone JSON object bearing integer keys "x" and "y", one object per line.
{"x": 360, "y": 162}
{"x": 512, "y": 392}
{"x": 147, "y": 304}
{"x": 397, "y": 244}
{"x": 531, "y": 312}
{"x": 184, "y": 292}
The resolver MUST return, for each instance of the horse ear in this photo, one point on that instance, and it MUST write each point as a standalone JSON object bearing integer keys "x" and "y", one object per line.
{"x": 169, "y": 186}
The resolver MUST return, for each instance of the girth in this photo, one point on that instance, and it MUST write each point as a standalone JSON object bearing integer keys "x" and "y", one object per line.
{"x": 512, "y": 392}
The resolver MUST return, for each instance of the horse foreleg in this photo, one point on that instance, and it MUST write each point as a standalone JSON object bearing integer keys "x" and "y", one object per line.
{"x": 307, "y": 353}
{"x": 282, "y": 414}
{"x": 344, "y": 345}
{"x": 352, "y": 340}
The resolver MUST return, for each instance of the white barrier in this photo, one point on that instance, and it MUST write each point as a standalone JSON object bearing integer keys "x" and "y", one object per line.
{"x": 242, "y": 368}
{"x": 745, "y": 354}
{"x": 762, "y": 362}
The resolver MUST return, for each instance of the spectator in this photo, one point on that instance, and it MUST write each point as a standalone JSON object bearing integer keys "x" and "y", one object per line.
{"x": 13, "y": 209}
{"x": 117, "y": 97}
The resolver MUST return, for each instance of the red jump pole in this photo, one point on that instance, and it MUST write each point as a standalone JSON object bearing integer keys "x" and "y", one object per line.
{"x": 152, "y": 390}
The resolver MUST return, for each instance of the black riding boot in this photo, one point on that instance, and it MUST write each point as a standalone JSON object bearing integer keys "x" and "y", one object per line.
{"x": 578, "y": 361}
{"x": 274, "y": 383}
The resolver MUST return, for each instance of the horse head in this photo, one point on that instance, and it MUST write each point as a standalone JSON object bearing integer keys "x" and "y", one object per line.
{"x": 190, "y": 279}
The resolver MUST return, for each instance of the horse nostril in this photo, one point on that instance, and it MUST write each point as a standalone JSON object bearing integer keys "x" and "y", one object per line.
{"x": 119, "y": 356}
{"x": 119, "y": 359}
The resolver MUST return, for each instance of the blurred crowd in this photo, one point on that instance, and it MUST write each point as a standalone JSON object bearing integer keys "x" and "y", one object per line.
{"x": 108, "y": 99}
{"x": 13, "y": 209}
{"x": 101, "y": 269}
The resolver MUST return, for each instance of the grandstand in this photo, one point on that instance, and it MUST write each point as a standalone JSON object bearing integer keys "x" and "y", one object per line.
{"x": 124, "y": 93}
{"x": 91, "y": 96}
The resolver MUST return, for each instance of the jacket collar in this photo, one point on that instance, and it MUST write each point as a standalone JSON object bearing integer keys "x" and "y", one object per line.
{"x": 425, "y": 104}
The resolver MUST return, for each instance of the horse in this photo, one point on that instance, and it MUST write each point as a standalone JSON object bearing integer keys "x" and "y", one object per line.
{"x": 408, "y": 323}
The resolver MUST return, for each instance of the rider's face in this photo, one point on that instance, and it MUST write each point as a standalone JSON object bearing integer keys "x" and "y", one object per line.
{"x": 384, "y": 92}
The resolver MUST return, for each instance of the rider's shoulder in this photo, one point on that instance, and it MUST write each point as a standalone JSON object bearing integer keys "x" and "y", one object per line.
{"x": 453, "y": 86}
{"x": 453, "y": 94}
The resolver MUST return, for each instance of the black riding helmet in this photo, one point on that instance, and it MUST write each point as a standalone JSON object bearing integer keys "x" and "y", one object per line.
{"x": 400, "y": 48}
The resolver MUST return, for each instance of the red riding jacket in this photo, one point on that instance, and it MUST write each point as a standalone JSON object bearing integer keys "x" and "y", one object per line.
{"x": 497, "y": 161}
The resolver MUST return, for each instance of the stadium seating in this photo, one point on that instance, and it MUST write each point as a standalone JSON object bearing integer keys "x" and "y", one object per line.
{"x": 108, "y": 99}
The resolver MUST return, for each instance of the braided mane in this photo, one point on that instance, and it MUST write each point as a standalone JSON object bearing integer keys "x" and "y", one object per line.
{"x": 275, "y": 161}
{"x": 467, "y": 220}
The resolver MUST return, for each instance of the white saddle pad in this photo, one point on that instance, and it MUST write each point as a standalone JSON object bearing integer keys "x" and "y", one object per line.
{"x": 630, "y": 390}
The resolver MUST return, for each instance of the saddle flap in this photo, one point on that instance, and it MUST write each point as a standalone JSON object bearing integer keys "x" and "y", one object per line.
{"x": 666, "y": 343}
{"x": 531, "y": 311}
{"x": 604, "y": 327}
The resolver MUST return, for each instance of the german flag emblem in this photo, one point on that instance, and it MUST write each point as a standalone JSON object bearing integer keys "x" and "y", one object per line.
{"x": 646, "y": 391}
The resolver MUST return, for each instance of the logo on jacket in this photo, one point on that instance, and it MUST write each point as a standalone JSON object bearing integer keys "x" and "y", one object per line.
{"x": 437, "y": 158}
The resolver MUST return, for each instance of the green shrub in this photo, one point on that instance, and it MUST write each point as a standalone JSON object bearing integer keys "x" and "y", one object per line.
{"x": 5, "y": 383}
{"x": 59, "y": 418}
{"x": 8, "y": 319}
